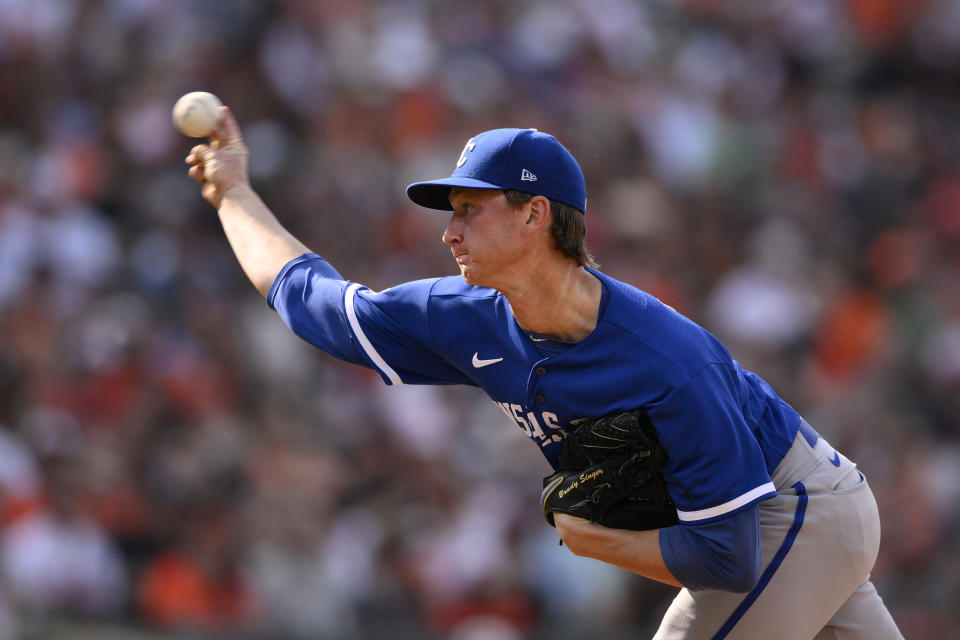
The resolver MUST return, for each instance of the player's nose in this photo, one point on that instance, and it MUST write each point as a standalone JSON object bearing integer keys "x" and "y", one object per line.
{"x": 454, "y": 231}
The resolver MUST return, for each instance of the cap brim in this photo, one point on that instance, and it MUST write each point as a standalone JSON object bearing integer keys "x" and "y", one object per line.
{"x": 435, "y": 194}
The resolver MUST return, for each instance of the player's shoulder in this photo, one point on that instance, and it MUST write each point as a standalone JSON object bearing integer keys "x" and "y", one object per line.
{"x": 661, "y": 328}
{"x": 431, "y": 292}
{"x": 443, "y": 295}
{"x": 453, "y": 301}
{"x": 455, "y": 286}
{"x": 627, "y": 304}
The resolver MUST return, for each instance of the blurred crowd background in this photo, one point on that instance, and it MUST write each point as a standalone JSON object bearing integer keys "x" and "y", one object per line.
{"x": 174, "y": 463}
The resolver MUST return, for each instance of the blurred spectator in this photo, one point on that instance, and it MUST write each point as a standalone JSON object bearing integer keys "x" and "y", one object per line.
{"x": 312, "y": 576}
{"x": 56, "y": 559}
{"x": 21, "y": 484}
{"x": 198, "y": 583}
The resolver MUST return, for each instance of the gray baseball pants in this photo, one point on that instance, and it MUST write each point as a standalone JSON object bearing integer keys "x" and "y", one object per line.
{"x": 820, "y": 537}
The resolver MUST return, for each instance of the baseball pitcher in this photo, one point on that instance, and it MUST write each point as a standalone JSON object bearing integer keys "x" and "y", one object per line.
{"x": 670, "y": 459}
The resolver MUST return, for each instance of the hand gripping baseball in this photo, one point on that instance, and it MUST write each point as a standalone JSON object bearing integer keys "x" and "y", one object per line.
{"x": 221, "y": 165}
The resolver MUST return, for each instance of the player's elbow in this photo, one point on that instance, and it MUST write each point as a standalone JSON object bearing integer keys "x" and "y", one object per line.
{"x": 738, "y": 563}
{"x": 725, "y": 555}
{"x": 743, "y": 576}
{"x": 733, "y": 570}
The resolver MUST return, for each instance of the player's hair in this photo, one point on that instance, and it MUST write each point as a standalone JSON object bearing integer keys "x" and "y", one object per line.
{"x": 567, "y": 228}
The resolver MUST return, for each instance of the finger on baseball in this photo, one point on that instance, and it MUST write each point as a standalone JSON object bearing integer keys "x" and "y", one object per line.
{"x": 228, "y": 131}
{"x": 197, "y": 154}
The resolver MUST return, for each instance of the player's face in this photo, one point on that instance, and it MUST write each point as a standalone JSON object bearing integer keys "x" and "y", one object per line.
{"x": 484, "y": 235}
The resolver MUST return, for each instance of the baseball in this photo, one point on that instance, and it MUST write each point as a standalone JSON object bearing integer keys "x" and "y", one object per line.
{"x": 196, "y": 114}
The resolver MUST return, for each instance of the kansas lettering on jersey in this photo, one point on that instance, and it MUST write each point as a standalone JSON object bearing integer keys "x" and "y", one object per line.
{"x": 724, "y": 428}
{"x": 551, "y": 431}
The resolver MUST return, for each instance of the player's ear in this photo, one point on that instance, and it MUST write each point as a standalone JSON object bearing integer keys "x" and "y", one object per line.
{"x": 537, "y": 212}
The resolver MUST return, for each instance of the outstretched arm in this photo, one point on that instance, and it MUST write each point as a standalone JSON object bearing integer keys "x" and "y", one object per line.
{"x": 262, "y": 245}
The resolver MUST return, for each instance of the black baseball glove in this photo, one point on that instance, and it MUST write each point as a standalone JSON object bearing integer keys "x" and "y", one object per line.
{"x": 611, "y": 473}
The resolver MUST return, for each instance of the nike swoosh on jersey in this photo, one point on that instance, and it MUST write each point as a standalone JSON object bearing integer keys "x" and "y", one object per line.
{"x": 478, "y": 363}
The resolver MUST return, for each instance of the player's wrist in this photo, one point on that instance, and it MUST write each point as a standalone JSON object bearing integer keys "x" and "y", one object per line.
{"x": 236, "y": 191}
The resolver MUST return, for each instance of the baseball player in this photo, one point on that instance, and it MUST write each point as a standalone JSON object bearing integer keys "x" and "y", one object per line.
{"x": 776, "y": 531}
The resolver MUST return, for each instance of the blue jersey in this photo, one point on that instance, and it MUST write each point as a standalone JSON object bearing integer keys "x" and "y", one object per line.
{"x": 724, "y": 429}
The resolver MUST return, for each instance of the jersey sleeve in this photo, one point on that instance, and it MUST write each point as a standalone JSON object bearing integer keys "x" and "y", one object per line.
{"x": 724, "y": 554}
{"x": 715, "y": 466}
{"x": 387, "y": 331}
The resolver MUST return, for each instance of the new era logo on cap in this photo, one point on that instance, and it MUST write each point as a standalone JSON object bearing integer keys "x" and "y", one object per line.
{"x": 523, "y": 159}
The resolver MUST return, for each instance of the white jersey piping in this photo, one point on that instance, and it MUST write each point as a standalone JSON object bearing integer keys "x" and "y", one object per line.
{"x": 726, "y": 507}
{"x": 365, "y": 343}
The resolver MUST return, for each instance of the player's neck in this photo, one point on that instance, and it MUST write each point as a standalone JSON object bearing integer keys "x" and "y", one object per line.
{"x": 561, "y": 300}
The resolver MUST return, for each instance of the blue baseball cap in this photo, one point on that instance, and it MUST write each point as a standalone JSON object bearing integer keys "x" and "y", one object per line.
{"x": 522, "y": 159}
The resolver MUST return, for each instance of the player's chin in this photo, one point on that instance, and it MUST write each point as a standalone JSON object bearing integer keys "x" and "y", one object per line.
{"x": 468, "y": 274}
{"x": 473, "y": 277}
{"x": 473, "y": 273}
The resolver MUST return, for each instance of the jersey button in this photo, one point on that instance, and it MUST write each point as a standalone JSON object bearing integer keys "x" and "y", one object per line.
{"x": 541, "y": 371}
{"x": 540, "y": 399}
